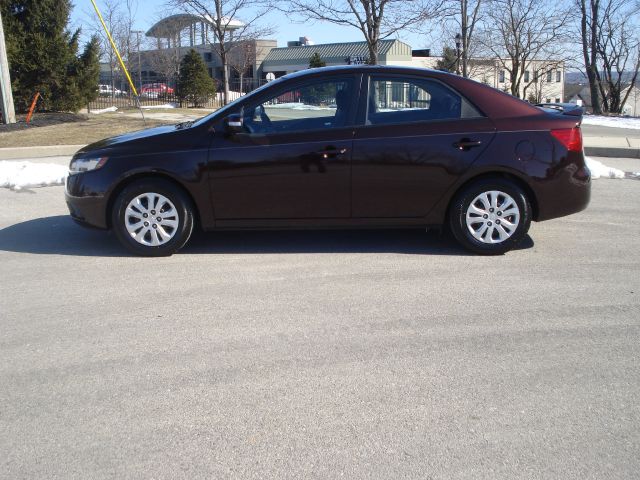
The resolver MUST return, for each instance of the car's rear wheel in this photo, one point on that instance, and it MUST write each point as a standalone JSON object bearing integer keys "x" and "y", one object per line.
{"x": 152, "y": 217}
{"x": 490, "y": 216}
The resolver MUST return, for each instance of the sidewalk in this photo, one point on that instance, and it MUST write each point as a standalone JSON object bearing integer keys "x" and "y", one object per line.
{"x": 617, "y": 147}
{"x": 624, "y": 147}
{"x": 31, "y": 153}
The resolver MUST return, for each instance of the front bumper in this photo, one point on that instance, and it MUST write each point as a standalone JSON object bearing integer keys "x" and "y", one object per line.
{"x": 87, "y": 211}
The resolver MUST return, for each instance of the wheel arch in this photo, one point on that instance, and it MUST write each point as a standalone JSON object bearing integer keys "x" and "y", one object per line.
{"x": 124, "y": 183}
{"x": 533, "y": 200}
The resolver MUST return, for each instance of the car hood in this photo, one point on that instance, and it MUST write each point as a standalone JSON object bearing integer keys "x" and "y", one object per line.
{"x": 127, "y": 138}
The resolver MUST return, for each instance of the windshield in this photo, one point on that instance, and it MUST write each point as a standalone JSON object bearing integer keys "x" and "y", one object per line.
{"x": 223, "y": 110}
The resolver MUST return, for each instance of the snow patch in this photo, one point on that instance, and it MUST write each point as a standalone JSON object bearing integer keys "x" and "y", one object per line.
{"x": 166, "y": 105}
{"x": 104, "y": 110}
{"x": 598, "y": 169}
{"x": 19, "y": 175}
{"x": 615, "y": 122}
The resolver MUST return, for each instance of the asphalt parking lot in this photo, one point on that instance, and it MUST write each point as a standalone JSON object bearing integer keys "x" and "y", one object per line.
{"x": 353, "y": 354}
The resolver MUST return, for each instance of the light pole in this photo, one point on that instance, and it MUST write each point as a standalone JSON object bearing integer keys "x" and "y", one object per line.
{"x": 6, "y": 96}
{"x": 138, "y": 33}
{"x": 458, "y": 44}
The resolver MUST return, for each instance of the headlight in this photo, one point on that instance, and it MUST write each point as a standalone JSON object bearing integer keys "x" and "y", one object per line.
{"x": 78, "y": 165}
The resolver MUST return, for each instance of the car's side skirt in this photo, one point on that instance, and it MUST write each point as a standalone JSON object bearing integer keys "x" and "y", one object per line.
{"x": 321, "y": 223}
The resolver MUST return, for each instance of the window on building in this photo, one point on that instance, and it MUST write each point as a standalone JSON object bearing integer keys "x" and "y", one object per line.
{"x": 536, "y": 75}
{"x": 558, "y": 76}
{"x": 398, "y": 100}
{"x": 501, "y": 76}
{"x": 208, "y": 57}
{"x": 526, "y": 76}
{"x": 548, "y": 100}
{"x": 557, "y": 100}
{"x": 549, "y": 74}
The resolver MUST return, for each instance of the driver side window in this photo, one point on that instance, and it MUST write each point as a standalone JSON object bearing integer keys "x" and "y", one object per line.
{"x": 318, "y": 105}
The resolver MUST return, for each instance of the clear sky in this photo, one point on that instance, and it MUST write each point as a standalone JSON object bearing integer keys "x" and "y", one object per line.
{"x": 150, "y": 11}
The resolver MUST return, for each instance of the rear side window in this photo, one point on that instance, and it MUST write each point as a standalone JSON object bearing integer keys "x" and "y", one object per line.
{"x": 396, "y": 100}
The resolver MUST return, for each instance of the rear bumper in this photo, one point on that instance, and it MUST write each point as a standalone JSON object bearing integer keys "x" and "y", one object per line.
{"x": 567, "y": 192}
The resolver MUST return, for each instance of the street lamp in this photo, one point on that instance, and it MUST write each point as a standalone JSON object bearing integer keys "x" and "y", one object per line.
{"x": 458, "y": 45}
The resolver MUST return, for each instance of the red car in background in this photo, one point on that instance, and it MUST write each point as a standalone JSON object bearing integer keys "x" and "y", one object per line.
{"x": 155, "y": 89}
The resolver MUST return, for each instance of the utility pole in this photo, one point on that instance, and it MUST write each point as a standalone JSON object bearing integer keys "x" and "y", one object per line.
{"x": 465, "y": 36}
{"x": 6, "y": 97}
{"x": 138, "y": 33}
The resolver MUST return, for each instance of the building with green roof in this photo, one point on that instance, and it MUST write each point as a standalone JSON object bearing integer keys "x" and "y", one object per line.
{"x": 293, "y": 58}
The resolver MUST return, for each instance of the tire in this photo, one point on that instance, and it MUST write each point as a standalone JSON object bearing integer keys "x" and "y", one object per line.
{"x": 150, "y": 202}
{"x": 478, "y": 223}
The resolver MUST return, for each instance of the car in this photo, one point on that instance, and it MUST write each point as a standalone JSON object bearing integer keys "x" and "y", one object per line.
{"x": 108, "y": 90}
{"x": 340, "y": 147}
{"x": 149, "y": 89}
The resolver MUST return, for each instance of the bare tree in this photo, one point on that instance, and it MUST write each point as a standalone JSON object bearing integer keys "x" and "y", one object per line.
{"x": 112, "y": 14}
{"x": 165, "y": 62}
{"x": 119, "y": 16}
{"x": 589, "y": 12}
{"x": 611, "y": 49}
{"x": 241, "y": 58}
{"x": 231, "y": 21}
{"x": 376, "y": 19}
{"x": 619, "y": 51}
{"x": 466, "y": 16}
{"x": 130, "y": 8}
{"x": 522, "y": 35}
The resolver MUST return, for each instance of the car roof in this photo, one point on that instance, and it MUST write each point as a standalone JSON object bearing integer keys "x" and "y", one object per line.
{"x": 363, "y": 68}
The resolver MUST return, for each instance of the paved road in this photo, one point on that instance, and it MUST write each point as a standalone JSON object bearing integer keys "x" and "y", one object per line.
{"x": 321, "y": 354}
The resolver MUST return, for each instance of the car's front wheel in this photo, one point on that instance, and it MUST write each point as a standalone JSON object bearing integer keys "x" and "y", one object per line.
{"x": 490, "y": 216}
{"x": 152, "y": 217}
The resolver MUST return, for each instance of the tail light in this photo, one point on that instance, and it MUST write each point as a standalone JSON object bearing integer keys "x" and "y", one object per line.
{"x": 570, "y": 138}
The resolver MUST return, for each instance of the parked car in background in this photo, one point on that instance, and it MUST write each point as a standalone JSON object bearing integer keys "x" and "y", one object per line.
{"x": 349, "y": 147}
{"x": 108, "y": 90}
{"x": 149, "y": 89}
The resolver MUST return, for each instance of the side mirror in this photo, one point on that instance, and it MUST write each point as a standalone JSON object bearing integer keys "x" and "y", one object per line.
{"x": 234, "y": 123}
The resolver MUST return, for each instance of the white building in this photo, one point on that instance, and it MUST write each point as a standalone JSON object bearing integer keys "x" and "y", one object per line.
{"x": 541, "y": 82}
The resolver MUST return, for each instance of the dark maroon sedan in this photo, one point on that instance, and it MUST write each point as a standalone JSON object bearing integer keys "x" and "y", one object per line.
{"x": 364, "y": 146}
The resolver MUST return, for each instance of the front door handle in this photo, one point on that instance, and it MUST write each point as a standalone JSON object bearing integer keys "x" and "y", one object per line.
{"x": 465, "y": 144}
{"x": 332, "y": 152}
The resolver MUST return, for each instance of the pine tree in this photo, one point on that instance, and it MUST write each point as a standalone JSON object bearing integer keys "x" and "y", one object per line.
{"x": 42, "y": 53}
{"x": 316, "y": 61}
{"x": 449, "y": 60}
{"x": 194, "y": 83}
{"x": 89, "y": 71}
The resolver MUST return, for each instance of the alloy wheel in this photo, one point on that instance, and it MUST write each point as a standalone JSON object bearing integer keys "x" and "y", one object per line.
{"x": 492, "y": 217}
{"x": 151, "y": 219}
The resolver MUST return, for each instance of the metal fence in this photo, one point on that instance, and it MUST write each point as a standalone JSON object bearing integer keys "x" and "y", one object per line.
{"x": 124, "y": 99}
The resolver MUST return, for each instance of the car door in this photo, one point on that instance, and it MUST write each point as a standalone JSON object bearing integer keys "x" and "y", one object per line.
{"x": 416, "y": 137}
{"x": 292, "y": 158}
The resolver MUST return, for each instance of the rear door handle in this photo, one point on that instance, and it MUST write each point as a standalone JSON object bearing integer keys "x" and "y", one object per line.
{"x": 466, "y": 144}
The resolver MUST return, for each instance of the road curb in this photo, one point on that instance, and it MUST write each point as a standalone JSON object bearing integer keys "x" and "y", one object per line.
{"x": 15, "y": 153}
{"x": 617, "y": 152}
